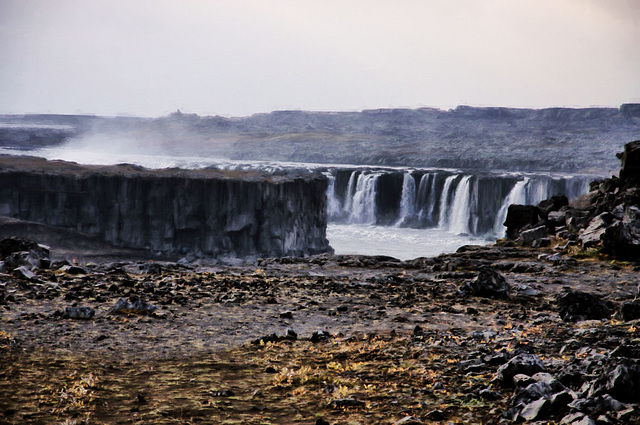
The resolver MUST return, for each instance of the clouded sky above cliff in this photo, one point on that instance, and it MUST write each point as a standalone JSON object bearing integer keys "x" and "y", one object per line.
{"x": 238, "y": 57}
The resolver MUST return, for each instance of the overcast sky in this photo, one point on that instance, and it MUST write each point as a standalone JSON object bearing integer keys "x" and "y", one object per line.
{"x": 238, "y": 57}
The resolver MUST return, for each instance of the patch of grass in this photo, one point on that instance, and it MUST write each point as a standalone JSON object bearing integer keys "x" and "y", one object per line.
{"x": 366, "y": 380}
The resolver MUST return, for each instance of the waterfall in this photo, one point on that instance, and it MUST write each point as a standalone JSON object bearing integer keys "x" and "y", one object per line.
{"x": 460, "y": 212}
{"x": 334, "y": 207}
{"x": 517, "y": 195}
{"x": 351, "y": 187}
{"x": 362, "y": 207}
{"x": 426, "y": 199}
{"x": 444, "y": 202}
{"x": 408, "y": 200}
{"x": 574, "y": 186}
{"x": 538, "y": 190}
{"x": 460, "y": 204}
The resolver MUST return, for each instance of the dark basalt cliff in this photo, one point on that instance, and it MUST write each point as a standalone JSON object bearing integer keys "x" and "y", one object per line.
{"x": 172, "y": 211}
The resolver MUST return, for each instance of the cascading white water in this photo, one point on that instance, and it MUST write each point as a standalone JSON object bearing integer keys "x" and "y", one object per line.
{"x": 334, "y": 207}
{"x": 538, "y": 190}
{"x": 426, "y": 198}
{"x": 517, "y": 195}
{"x": 443, "y": 222}
{"x": 362, "y": 209}
{"x": 460, "y": 211}
{"x": 407, "y": 200}
{"x": 351, "y": 187}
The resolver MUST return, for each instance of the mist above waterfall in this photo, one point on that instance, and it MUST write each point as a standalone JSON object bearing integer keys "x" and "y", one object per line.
{"x": 562, "y": 140}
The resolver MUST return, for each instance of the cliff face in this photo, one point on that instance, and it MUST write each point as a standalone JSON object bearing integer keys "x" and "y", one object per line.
{"x": 172, "y": 211}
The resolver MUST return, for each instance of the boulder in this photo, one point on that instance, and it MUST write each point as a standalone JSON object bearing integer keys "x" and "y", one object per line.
{"x": 576, "y": 306}
{"x": 16, "y": 252}
{"x": 592, "y": 235}
{"x": 527, "y": 237}
{"x": 541, "y": 243}
{"x": 557, "y": 218}
{"x": 596, "y": 406}
{"x": 630, "y": 158}
{"x": 527, "y": 364}
{"x": 72, "y": 269}
{"x": 585, "y": 201}
{"x": 538, "y": 390}
{"x": 622, "y": 382}
{"x": 519, "y": 217}
{"x": 24, "y": 273}
{"x": 622, "y": 238}
{"x": 577, "y": 419}
{"x": 561, "y": 400}
{"x": 14, "y": 244}
{"x": 630, "y": 310}
{"x": 134, "y": 306}
{"x": 537, "y": 409}
{"x": 552, "y": 204}
{"x": 488, "y": 284}
{"x": 83, "y": 313}
{"x": 577, "y": 219}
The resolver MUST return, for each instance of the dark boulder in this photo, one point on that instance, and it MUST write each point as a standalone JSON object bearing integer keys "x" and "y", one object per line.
{"x": 538, "y": 390}
{"x": 577, "y": 419}
{"x": 133, "y": 306}
{"x": 630, "y": 158}
{"x": 16, "y": 252}
{"x": 73, "y": 269}
{"x": 519, "y": 217}
{"x": 528, "y": 237}
{"x": 82, "y": 313}
{"x": 289, "y": 335}
{"x": 630, "y": 310}
{"x": 488, "y": 284}
{"x": 24, "y": 273}
{"x": 527, "y": 364}
{"x": 593, "y": 234}
{"x": 537, "y": 409}
{"x": 575, "y": 306}
{"x": 596, "y": 406}
{"x": 622, "y": 238}
{"x": 14, "y": 244}
{"x": 620, "y": 381}
{"x": 320, "y": 336}
{"x": 552, "y": 204}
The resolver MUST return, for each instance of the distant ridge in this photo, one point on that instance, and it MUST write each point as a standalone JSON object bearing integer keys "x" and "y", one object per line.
{"x": 476, "y": 138}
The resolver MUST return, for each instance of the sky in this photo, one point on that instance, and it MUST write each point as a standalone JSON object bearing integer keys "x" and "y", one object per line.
{"x": 240, "y": 57}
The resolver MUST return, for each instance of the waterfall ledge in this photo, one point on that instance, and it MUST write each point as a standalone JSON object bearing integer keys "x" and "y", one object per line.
{"x": 205, "y": 212}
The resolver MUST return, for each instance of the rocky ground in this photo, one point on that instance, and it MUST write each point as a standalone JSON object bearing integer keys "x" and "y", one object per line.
{"x": 486, "y": 335}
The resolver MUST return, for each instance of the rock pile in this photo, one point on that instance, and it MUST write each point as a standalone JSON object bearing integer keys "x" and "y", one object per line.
{"x": 594, "y": 387}
{"x": 22, "y": 254}
{"x": 606, "y": 218}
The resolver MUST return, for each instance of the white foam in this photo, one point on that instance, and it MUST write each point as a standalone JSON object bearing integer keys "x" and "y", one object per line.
{"x": 398, "y": 242}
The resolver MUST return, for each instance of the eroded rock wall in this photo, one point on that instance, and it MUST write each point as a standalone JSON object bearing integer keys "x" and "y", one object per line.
{"x": 208, "y": 212}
